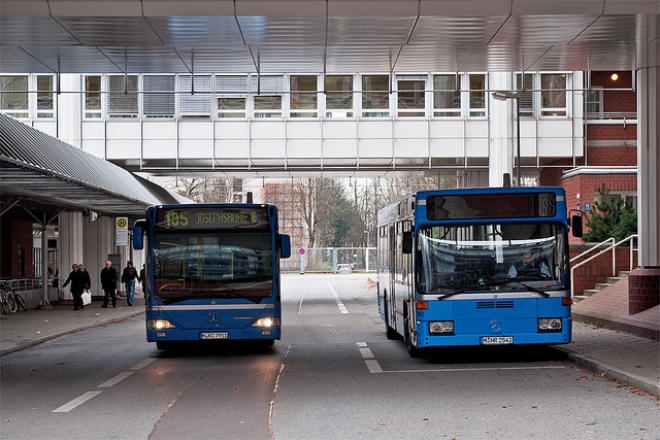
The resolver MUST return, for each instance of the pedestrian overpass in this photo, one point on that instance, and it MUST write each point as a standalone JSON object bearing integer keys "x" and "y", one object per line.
{"x": 328, "y": 37}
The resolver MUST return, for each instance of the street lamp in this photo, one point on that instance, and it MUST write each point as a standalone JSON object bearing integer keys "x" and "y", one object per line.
{"x": 367, "y": 232}
{"x": 503, "y": 96}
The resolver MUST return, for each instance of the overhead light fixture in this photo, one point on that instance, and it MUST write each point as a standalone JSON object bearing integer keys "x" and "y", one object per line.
{"x": 614, "y": 76}
{"x": 503, "y": 96}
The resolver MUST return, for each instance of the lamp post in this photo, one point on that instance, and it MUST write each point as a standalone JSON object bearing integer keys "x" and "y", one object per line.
{"x": 503, "y": 96}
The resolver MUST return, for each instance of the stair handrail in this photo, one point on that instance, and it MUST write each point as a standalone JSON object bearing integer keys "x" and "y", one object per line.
{"x": 593, "y": 248}
{"x": 612, "y": 246}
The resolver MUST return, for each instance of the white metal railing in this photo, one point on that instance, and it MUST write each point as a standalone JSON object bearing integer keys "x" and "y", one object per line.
{"x": 612, "y": 248}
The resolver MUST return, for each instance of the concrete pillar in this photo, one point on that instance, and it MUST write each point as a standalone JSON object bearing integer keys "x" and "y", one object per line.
{"x": 502, "y": 130}
{"x": 70, "y": 244}
{"x": 644, "y": 282}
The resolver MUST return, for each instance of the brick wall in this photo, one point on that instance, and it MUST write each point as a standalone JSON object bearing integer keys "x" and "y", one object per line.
{"x": 15, "y": 236}
{"x": 597, "y": 270}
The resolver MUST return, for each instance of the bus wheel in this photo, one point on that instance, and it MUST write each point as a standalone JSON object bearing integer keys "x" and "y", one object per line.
{"x": 389, "y": 331}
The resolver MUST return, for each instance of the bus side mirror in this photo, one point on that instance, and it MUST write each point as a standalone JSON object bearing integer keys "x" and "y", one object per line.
{"x": 407, "y": 245}
{"x": 138, "y": 235}
{"x": 576, "y": 225}
{"x": 285, "y": 246}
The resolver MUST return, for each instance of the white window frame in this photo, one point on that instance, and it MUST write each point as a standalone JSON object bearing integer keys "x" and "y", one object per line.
{"x": 368, "y": 111}
{"x": 46, "y": 113}
{"x": 414, "y": 112}
{"x": 232, "y": 90}
{"x": 455, "y": 94}
{"x": 529, "y": 100}
{"x": 93, "y": 113}
{"x": 196, "y": 105}
{"x": 475, "y": 112}
{"x": 159, "y": 102}
{"x": 268, "y": 87}
{"x": 16, "y": 103}
{"x": 300, "y": 112}
{"x": 345, "y": 109}
{"x": 598, "y": 92}
{"x": 554, "y": 112}
{"x": 123, "y": 99}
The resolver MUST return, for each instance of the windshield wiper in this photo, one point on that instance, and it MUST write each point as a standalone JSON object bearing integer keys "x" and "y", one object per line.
{"x": 533, "y": 289}
{"x": 447, "y": 295}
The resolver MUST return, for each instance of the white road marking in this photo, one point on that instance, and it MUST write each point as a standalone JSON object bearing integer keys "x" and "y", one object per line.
{"x": 143, "y": 364}
{"x": 368, "y": 356}
{"x": 374, "y": 366}
{"x": 340, "y": 304}
{"x": 115, "y": 380}
{"x": 77, "y": 401}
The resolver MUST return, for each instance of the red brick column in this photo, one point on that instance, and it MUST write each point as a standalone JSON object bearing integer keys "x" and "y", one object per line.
{"x": 643, "y": 289}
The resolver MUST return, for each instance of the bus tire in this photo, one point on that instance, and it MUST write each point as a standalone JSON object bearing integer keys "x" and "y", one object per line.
{"x": 164, "y": 345}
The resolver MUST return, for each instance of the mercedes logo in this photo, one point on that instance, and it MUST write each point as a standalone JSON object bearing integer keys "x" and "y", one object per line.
{"x": 495, "y": 325}
{"x": 213, "y": 320}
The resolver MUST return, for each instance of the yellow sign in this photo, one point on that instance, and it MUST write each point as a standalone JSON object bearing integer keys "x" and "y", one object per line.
{"x": 121, "y": 231}
{"x": 121, "y": 222}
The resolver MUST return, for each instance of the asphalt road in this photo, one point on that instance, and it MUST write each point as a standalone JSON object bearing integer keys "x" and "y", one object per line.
{"x": 334, "y": 375}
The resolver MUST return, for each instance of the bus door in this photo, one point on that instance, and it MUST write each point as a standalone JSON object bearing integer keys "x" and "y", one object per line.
{"x": 391, "y": 288}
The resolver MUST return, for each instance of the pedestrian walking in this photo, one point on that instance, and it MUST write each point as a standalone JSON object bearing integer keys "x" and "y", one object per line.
{"x": 76, "y": 278}
{"x": 128, "y": 277}
{"x": 109, "y": 284}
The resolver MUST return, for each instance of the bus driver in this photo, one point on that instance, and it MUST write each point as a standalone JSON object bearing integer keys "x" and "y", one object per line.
{"x": 528, "y": 266}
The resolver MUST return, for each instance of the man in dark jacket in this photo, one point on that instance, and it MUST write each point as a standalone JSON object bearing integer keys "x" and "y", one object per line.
{"x": 78, "y": 285}
{"x": 109, "y": 284}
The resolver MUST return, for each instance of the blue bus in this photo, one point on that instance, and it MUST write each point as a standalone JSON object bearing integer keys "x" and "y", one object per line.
{"x": 212, "y": 272}
{"x": 477, "y": 266}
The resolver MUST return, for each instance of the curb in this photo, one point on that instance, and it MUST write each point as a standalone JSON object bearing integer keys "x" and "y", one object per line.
{"x": 627, "y": 379}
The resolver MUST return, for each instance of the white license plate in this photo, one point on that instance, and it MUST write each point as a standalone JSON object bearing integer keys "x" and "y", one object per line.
{"x": 214, "y": 335}
{"x": 497, "y": 340}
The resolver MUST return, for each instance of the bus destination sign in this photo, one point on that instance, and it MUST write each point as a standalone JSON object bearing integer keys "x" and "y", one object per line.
{"x": 220, "y": 217}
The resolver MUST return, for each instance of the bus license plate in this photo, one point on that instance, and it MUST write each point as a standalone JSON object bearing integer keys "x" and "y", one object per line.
{"x": 214, "y": 335}
{"x": 497, "y": 340}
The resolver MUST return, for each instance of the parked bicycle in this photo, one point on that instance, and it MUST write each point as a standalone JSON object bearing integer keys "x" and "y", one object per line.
{"x": 10, "y": 300}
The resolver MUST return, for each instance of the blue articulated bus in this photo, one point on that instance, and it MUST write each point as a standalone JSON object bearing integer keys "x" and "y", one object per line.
{"x": 212, "y": 272}
{"x": 477, "y": 266}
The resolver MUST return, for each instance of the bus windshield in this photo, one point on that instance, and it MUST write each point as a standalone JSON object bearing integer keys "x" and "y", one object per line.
{"x": 210, "y": 265}
{"x": 492, "y": 257}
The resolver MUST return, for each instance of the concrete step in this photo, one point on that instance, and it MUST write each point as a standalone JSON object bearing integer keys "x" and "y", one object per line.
{"x": 586, "y": 293}
{"x": 612, "y": 280}
{"x": 601, "y": 286}
{"x": 623, "y": 273}
{"x": 578, "y": 298}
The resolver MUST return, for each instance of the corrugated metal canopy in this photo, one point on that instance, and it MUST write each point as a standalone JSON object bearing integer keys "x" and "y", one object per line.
{"x": 42, "y": 174}
{"x": 315, "y": 36}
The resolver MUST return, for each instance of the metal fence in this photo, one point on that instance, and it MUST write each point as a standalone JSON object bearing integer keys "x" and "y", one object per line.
{"x": 326, "y": 259}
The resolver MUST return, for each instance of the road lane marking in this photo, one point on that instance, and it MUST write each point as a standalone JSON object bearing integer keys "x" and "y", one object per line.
{"x": 340, "y": 304}
{"x": 374, "y": 366}
{"x": 77, "y": 401}
{"x": 115, "y": 380}
{"x": 143, "y": 364}
{"x": 369, "y": 360}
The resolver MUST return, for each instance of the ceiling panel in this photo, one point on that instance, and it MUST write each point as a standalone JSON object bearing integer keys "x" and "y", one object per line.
{"x": 276, "y": 36}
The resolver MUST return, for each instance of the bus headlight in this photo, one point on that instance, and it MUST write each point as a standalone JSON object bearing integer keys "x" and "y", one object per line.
{"x": 267, "y": 322}
{"x": 441, "y": 327}
{"x": 159, "y": 324}
{"x": 549, "y": 324}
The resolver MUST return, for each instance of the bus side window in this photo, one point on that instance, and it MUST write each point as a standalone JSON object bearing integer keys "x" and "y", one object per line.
{"x": 407, "y": 244}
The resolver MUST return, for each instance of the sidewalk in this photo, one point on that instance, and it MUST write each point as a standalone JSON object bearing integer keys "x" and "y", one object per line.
{"x": 621, "y": 355}
{"x": 26, "y": 329}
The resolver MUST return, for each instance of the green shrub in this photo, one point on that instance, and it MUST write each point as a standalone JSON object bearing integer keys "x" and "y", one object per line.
{"x": 610, "y": 217}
